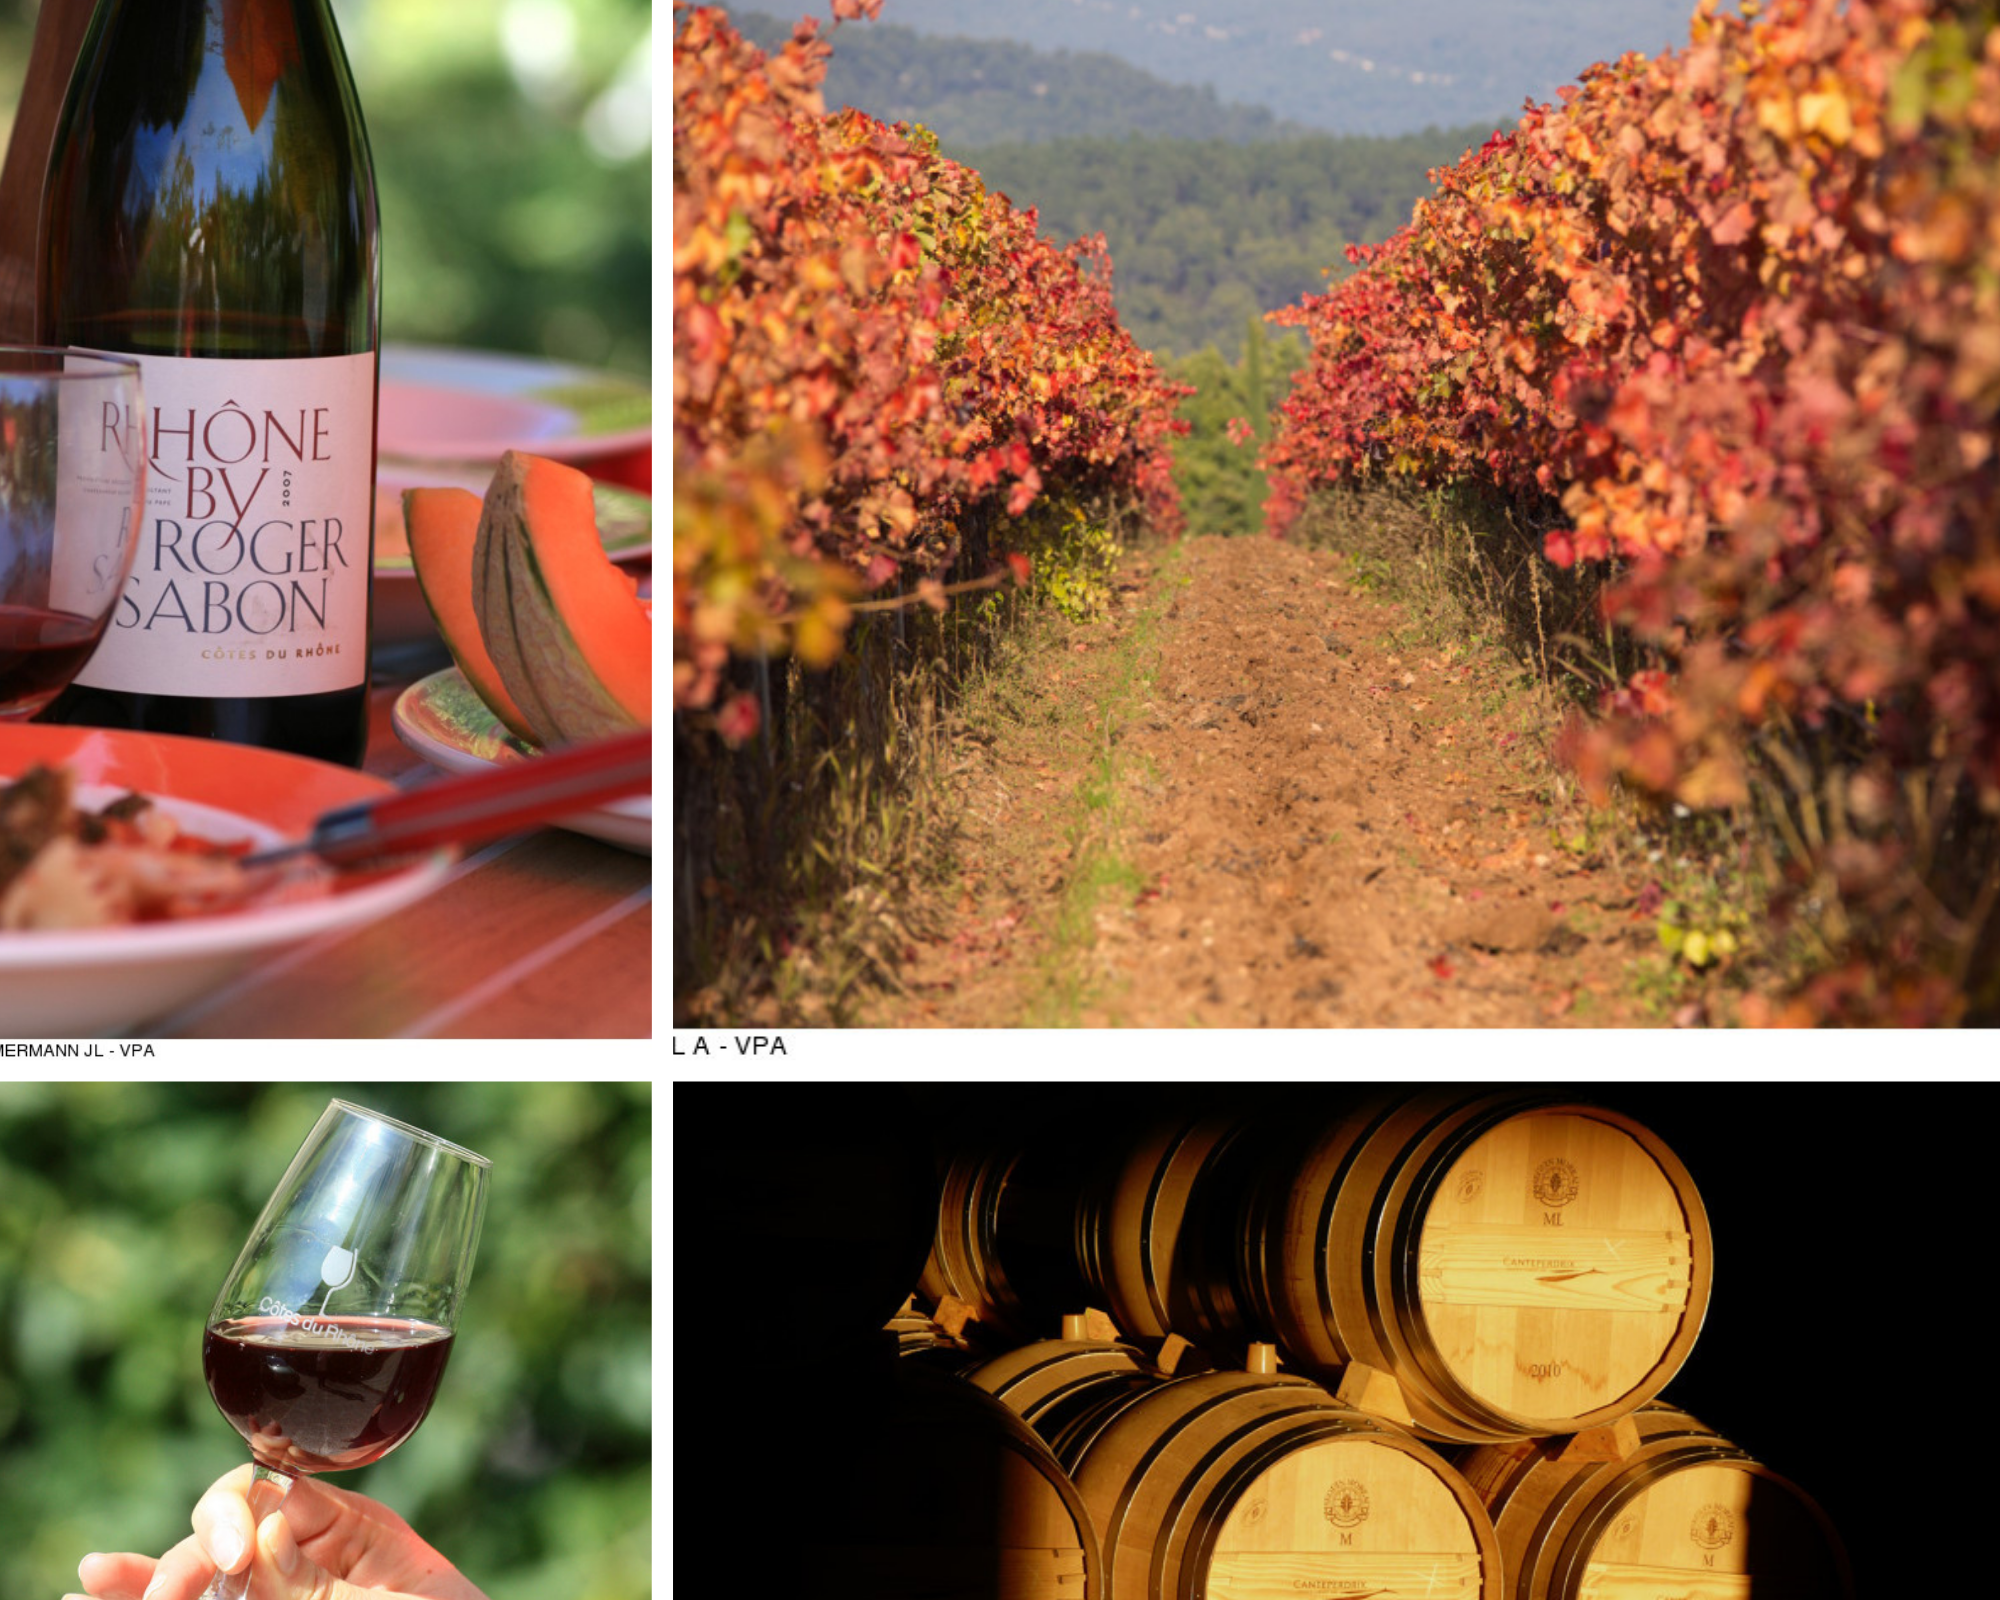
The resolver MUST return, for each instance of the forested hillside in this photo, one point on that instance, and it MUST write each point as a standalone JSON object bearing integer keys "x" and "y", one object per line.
{"x": 1344, "y": 69}
{"x": 994, "y": 91}
{"x": 1206, "y": 236}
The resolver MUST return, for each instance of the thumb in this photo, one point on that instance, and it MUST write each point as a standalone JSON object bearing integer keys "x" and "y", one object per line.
{"x": 280, "y": 1570}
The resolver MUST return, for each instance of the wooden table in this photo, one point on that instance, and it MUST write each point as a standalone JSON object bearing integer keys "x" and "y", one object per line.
{"x": 546, "y": 935}
{"x": 541, "y": 936}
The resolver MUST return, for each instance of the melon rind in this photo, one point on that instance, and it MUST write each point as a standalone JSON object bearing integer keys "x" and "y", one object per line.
{"x": 538, "y": 657}
{"x": 474, "y": 659}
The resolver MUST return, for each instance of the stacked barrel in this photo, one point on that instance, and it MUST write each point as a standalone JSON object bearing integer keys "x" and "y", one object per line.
{"x": 1400, "y": 1344}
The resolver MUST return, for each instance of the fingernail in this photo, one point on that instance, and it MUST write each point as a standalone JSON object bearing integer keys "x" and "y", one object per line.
{"x": 227, "y": 1548}
{"x": 284, "y": 1550}
{"x": 159, "y": 1582}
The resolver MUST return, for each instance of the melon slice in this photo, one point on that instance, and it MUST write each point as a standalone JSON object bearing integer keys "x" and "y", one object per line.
{"x": 443, "y": 527}
{"x": 568, "y": 636}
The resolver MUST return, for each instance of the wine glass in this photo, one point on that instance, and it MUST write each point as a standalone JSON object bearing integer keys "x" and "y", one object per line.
{"x": 72, "y": 492}
{"x": 326, "y": 1344}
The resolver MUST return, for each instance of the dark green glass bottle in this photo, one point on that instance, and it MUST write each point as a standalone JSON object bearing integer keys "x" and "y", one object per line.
{"x": 210, "y": 208}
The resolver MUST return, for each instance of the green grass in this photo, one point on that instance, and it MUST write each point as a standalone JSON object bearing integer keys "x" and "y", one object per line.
{"x": 1068, "y": 980}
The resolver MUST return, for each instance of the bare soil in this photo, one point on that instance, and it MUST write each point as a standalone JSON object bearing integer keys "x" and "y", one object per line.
{"x": 1251, "y": 800}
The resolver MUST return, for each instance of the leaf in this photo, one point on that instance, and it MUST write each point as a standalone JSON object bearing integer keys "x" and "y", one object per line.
{"x": 1734, "y": 227}
{"x": 1024, "y": 492}
{"x": 1828, "y": 114}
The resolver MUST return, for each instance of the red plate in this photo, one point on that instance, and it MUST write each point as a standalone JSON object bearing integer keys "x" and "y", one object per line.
{"x": 79, "y": 982}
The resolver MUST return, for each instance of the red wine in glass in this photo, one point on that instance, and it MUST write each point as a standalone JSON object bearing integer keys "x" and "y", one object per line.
{"x": 326, "y": 1343}
{"x": 328, "y": 1395}
{"x": 40, "y": 651}
{"x": 72, "y": 487}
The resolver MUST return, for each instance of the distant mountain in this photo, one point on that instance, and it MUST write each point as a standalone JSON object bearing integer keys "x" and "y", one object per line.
{"x": 1330, "y": 64}
{"x": 994, "y": 91}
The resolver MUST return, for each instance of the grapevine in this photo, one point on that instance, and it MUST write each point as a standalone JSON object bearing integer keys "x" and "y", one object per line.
{"x": 1736, "y": 307}
{"x": 871, "y": 349}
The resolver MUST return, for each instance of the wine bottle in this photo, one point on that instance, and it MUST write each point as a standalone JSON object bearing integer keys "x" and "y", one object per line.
{"x": 210, "y": 208}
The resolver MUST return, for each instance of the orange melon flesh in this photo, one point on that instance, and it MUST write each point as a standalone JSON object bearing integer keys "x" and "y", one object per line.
{"x": 567, "y": 633}
{"x": 443, "y": 526}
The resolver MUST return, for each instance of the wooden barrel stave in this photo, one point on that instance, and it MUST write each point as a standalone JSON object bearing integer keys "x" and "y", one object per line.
{"x": 1005, "y": 1237}
{"x": 1688, "y": 1512}
{"x": 1155, "y": 1234}
{"x": 1199, "y": 1489}
{"x": 1052, "y": 1382}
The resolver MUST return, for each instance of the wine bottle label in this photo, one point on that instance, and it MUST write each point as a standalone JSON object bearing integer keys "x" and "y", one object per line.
{"x": 251, "y": 576}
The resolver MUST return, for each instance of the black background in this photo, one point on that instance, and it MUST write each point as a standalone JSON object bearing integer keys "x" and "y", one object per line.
{"x": 1848, "y": 1276}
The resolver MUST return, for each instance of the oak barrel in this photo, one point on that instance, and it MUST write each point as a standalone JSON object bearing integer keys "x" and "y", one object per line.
{"x": 906, "y": 1483}
{"x": 1686, "y": 1513}
{"x": 1523, "y": 1265}
{"x": 1005, "y": 1232}
{"x": 1055, "y": 1385}
{"x": 1157, "y": 1232}
{"x": 1233, "y": 1486}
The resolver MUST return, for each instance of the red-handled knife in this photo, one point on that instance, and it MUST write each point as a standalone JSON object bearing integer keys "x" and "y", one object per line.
{"x": 484, "y": 805}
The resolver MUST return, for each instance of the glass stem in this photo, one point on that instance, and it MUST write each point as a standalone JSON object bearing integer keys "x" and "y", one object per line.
{"x": 268, "y": 1488}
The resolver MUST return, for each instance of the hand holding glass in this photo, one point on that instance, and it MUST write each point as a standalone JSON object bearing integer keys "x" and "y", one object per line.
{"x": 72, "y": 495}
{"x": 326, "y": 1344}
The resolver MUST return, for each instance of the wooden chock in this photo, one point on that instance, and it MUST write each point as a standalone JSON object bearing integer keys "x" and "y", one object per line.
{"x": 952, "y": 1315}
{"x": 1612, "y": 1443}
{"x": 1262, "y": 1360}
{"x": 1073, "y": 1323}
{"x": 1096, "y": 1325}
{"x": 1374, "y": 1391}
{"x": 1177, "y": 1358}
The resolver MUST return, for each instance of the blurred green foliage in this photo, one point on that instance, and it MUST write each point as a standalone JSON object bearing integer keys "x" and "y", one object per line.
{"x": 122, "y": 1208}
{"x": 1222, "y": 488}
{"x": 513, "y": 161}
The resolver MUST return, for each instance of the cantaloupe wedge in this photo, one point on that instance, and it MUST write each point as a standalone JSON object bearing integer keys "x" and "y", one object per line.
{"x": 569, "y": 638}
{"x": 443, "y": 528}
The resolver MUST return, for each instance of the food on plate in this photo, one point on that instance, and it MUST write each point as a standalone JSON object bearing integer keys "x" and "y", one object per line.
{"x": 63, "y": 866}
{"x": 565, "y": 644}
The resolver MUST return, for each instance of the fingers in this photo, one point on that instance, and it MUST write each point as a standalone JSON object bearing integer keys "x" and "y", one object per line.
{"x": 122, "y": 1576}
{"x": 281, "y": 1571}
{"x": 279, "y": 1564}
{"x": 223, "y": 1523}
{"x": 181, "y": 1574}
{"x": 222, "y": 1537}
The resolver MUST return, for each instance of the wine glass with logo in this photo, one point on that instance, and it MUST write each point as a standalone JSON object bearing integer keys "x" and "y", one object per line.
{"x": 326, "y": 1344}
{"x": 72, "y": 493}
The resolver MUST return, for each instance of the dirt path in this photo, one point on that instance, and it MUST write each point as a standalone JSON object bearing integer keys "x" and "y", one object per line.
{"x": 1251, "y": 801}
